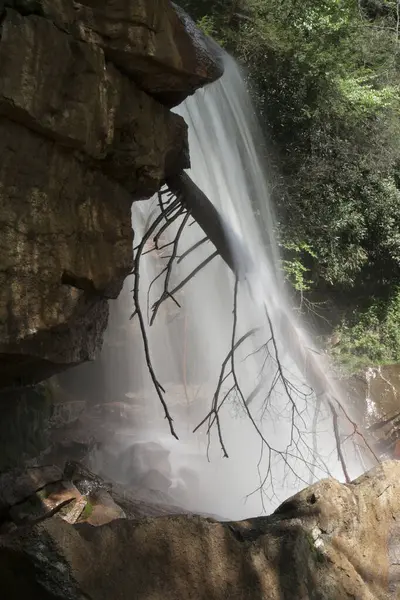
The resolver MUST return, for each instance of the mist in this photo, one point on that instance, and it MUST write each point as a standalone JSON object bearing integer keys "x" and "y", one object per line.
{"x": 273, "y": 431}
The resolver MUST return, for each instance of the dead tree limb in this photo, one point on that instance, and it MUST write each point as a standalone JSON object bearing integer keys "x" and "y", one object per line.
{"x": 166, "y": 293}
{"x": 339, "y": 449}
{"x": 194, "y": 247}
{"x": 138, "y": 311}
{"x": 211, "y": 222}
{"x": 193, "y": 273}
{"x": 222, "y": 377}
{"x": 190, "y": 198}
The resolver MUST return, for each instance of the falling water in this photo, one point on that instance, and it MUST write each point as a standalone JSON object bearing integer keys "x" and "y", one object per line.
{"x": 275, "y": 425}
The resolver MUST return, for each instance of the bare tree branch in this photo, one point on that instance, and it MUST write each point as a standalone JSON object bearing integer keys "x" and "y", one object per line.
{"x": 193, "y": 273}
{"x": 166, "y": 293}
{"x": 338, "y": 443}
{"x": 194, "y": 247}
{"x": 138, "y": 311}
{"x": 228, "y": 387}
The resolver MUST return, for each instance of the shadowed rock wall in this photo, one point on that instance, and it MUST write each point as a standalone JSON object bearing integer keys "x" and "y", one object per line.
{"x": 85, "y": 129}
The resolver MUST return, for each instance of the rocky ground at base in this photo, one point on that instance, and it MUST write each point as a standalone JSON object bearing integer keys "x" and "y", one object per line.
{"x": 75, "y": 495}
{"x": 71, "y": 536}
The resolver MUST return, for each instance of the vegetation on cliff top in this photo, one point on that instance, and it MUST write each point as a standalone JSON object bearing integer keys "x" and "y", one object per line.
{"x": 325, "y": 78}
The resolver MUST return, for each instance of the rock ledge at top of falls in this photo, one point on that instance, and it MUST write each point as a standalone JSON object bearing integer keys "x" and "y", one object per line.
{"x": 85, "y": 129}
{"x": 329, "y": 542}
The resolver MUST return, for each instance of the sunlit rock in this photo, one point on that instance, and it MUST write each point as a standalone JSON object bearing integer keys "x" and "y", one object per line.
{"x": 331, "y": 542}
{"x": 153, "y": 42}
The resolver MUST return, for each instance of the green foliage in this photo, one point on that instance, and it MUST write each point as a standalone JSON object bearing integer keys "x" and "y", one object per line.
{"x": 87, "y": 511}
{"x": 293, "y": 265}
{"x": 371, "y": 337}
{"x": 207, "y": 25}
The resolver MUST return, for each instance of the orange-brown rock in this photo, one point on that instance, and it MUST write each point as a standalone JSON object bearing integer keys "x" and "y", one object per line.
{"x": 83, "y": 133}
{"x": 329, "y": 542}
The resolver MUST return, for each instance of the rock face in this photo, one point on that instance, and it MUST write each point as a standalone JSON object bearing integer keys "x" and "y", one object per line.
{"x": 83, "y": 133}
{"x": 329, "y": 542}
{"x": 153, "y": 42}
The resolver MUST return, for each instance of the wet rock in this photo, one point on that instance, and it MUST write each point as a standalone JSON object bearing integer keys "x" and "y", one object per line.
{"x": 85, "y": 480}
{"x": 138, "y": 503}
{"x": 74, "y": 512}
{"x": 101, "y": 509}
{"x": 330, "y": 542}
{"x": 66, "y": 412}
{"x": 18, "y": 485}
{"x": 46, "y": 502}
{"x": 374, "y": 393}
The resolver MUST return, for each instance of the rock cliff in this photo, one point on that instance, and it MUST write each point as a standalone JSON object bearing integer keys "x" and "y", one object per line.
{"x": 85, "y": 128}
{"x": 329, "y": 542}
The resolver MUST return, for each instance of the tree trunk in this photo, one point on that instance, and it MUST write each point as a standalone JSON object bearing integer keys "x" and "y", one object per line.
{"x": 227, "y": 243}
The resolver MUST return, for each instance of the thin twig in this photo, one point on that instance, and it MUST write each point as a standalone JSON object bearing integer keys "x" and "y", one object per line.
{"x": 222, "y": 377}
{"x": 166, "y": 293}
{"x": 194, "y": 247}
{"x": 194, "y": 272}
{"x": 178, "y": 211}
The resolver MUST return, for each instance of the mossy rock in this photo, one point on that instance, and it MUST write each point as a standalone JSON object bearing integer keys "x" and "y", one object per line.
{"x": 87, "y": 511}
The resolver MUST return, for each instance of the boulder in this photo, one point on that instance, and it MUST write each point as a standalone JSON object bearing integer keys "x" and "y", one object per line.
{"x": 139, "y": 503}
{"x": 101, "y": 509}
{"x": 329, "y": 542}
{"x": 51, "y": 499}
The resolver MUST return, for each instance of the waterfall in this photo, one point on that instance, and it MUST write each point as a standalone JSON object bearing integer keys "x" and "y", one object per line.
{"x": 282, "y": 415}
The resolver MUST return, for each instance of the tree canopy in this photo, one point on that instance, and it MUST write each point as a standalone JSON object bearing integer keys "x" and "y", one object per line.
{"x": 325, "y": 79}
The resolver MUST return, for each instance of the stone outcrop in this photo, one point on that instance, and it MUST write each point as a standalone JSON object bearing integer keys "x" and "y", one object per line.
{"x": 153, "y": 42}
{"x": 329, "y": 542}
{"x": 85, "y": 129}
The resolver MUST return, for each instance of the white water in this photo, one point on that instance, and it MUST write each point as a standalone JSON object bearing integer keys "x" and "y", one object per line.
{"x": 189, "y": 344}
